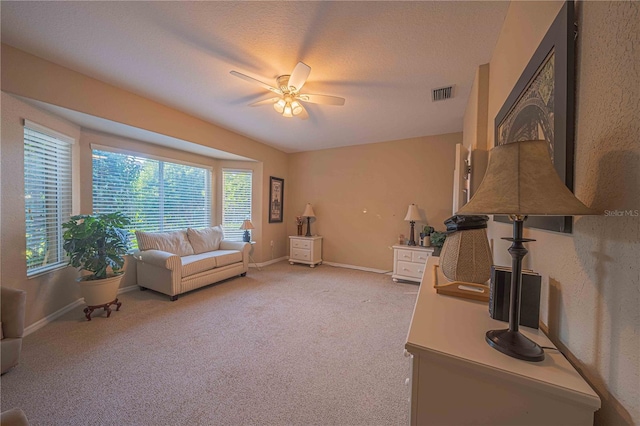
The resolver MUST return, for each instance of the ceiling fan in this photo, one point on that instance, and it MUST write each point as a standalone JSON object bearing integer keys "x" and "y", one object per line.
{"x": 288, "y": 90}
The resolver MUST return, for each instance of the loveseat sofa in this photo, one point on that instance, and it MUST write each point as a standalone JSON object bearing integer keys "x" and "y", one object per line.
{"x": 177, "y": 262}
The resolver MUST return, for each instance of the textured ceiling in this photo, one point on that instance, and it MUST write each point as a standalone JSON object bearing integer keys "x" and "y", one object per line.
{"x": 382, "y": 57}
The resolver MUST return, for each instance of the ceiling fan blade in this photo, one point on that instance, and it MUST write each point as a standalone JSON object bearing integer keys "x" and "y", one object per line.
{"x": 299, "y": 76}
{"x": 258, "y": 82}
{"x": 269, "y": 101}
{"x": 321, "y": 99}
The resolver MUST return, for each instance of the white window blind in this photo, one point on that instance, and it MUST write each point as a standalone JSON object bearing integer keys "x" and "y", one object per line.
{"x": 236, "y": 201}
{"x": 156, "y": 195}
{"x": 47, "y": 193}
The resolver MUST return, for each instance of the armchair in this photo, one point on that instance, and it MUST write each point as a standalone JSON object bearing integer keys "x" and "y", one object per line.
{"x": 12, "y": 309}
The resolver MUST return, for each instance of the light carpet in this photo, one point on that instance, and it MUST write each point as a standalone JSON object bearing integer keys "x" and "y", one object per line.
{"x": 288, "y": 345}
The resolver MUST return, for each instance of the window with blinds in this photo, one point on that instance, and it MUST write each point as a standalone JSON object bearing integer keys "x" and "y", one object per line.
{"x": 47, "y": 196}
{"x": 156, "y": 195}
{"x": 236, "y": 201}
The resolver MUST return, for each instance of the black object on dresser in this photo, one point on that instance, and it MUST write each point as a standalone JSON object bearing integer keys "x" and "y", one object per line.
{"x": 500, "y": 292}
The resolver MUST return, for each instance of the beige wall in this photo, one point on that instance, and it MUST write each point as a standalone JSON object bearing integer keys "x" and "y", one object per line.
{"x": 474, "y": 128}
{"x": 360, "y": 194}
{"x": 590, "y": 278}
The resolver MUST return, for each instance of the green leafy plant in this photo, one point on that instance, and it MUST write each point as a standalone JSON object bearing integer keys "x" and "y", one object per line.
{"x": 427, "y": 230}
{"x": 437, "y": 238}
{"x": 96, "y": 242}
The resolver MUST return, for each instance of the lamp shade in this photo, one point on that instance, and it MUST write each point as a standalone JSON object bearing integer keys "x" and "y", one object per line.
{"x": 246, "y": 224}
{"x": 520, "y": 180}
{"x": 412, "y": 214}
{"x": 308, "y": 211}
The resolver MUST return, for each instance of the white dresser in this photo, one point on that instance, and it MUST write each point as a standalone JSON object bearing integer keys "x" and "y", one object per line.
{"x": 409, "y": 261}
{"x": 458, "y": 379}
{"x": 307, "y": 250}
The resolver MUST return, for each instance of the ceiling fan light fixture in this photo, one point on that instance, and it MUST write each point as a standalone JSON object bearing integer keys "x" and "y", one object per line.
{"x": 296, "y": 108}
{"x": 287, "y": 111}
{"x": 290, "y": 102}
{"x": 279, "y": 106}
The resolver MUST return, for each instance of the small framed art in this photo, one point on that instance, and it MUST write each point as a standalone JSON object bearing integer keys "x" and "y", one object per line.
{"x": 276, "y": 199}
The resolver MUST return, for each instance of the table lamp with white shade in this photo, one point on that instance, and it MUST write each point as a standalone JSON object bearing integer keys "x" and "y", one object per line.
{"x": 246, "y": 226}
{"x": 520, "y": 181}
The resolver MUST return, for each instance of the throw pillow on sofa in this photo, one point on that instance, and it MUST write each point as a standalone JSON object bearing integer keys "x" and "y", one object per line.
{"x": 175, "y": 242}
{"x": 205, "y": 239}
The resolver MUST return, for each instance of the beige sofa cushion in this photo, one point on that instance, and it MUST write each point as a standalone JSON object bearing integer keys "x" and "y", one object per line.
{"x": 206, "y": 261}
{"x": 205, "y": 239}
{"x": 172, "y": 242}
{"x": 227, "y": 257}
{"x": 198, "y": 263}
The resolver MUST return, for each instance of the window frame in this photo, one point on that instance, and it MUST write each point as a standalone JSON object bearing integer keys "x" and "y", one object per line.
{"x": 161, "y": 165}
{"x": 64, "y": 207}
{"x": 236, "y": 234}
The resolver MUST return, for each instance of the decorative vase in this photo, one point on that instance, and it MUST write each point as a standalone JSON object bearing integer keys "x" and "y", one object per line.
{"x": 299, "y": 230}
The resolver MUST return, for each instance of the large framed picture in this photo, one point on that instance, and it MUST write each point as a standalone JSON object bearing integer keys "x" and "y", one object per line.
{"x": 276, "y": 199}
{"x": 541, "y": 107}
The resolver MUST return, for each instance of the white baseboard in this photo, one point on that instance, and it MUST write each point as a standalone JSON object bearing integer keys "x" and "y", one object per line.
{"x": 337, "y": 265}
{"x": 57, "y": 314}
{"x": 360, "y": 268}
{"x": 269, "y": 262}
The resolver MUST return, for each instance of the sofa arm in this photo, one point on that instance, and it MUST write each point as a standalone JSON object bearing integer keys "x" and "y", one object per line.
{"x": 235, "y": 245}
{"x": 159, "y": 258}
{"x": 13, "y": 304}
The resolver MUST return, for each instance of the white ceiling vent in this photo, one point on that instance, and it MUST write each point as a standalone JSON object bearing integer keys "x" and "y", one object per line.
{"x": 442, "y": 93}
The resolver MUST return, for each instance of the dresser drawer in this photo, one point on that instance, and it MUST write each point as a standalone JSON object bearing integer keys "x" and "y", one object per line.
{"x": 420, "y": 257}
{"x": 303, "y": 244}
{"x": 406, "y": 255}
{"x": 301, "y": 254}
{"x": 410, "y": 269}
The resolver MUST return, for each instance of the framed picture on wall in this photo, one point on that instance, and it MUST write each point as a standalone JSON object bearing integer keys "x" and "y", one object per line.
{"x": 276, "y": 199}
{"x": 541, "y": 107}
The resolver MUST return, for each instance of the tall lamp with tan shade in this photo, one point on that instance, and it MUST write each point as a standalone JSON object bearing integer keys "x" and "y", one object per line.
{"x": 520, "y": 181}
{"x": 308, "y": 213}
{"x": 413, "y": 215}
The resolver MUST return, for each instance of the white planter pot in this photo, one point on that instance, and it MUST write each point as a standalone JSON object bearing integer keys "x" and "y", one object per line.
{"x": 100, "y": 292}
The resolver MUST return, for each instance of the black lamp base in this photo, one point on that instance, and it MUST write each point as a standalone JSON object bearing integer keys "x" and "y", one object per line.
{"x": 412, "y": 241}
{"x": 514, "y": 344}
{"x": 308, "y": 234}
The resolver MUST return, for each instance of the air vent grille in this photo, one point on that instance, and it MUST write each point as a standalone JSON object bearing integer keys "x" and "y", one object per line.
{"x": 442, "y": 93}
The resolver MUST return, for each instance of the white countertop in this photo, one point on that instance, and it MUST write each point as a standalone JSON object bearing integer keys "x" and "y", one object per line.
{"x": 455, "y": 327}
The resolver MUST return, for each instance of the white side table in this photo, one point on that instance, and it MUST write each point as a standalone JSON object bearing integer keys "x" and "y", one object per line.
{"x": 307, "y": 250}
{"x": 253, "y": 243}
{"x": 409, "y": 261}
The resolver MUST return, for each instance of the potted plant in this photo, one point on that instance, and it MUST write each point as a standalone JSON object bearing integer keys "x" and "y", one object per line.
{"x": 97, "y": 244}
{"x": 437, "y": 241}
{"x": 425, "y": 235}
